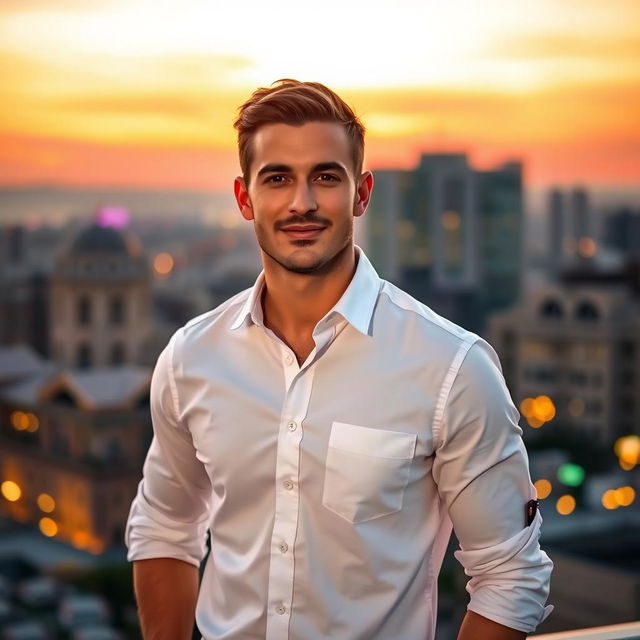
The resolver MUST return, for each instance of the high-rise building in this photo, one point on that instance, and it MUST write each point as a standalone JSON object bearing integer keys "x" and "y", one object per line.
{"x": 500, "y": 232}
{"x": 573, "y": 236}
{"x": 622, "y": 231}
{"x": 449, "y": 234}
{"x": 557, "y": 231}
{"x": 386, "y": 238}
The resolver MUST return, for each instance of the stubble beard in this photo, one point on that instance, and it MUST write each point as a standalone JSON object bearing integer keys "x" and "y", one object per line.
{"x": 324, "y": 264}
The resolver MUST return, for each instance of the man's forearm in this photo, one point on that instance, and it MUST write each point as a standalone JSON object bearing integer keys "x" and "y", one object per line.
{"x": 477, "y": 627}
{"x": 166, "y": 592}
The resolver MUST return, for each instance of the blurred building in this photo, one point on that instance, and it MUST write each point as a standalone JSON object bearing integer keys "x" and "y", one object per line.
{"x": 622, "y": 231}
{"x": 573, "y": 233}
{"x": 23, "y": 293}
{"x": 578, "y": 342}
{"x": 100, "y": 301}
{"x": 449, "y": 234}
{"x": 74, "y": 430}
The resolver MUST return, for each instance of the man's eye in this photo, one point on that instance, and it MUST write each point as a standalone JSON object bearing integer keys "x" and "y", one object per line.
{"x": 275, "y": 179}
{"x": 329, "y": 177}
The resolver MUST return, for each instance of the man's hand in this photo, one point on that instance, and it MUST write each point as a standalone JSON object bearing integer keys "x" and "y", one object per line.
{"x": 166, "y": 591}
{"x": 477, "y": 627}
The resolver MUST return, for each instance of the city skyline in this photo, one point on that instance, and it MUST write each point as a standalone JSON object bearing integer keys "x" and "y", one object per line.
{"x": 137, "y": 94}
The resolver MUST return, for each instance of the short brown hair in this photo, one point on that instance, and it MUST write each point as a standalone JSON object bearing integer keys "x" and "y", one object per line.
{"x": 295, "y": 103}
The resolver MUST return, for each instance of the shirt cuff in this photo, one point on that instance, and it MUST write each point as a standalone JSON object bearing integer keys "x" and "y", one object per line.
{"x": 151, "y": 534}
{"x": 510, "y": 580}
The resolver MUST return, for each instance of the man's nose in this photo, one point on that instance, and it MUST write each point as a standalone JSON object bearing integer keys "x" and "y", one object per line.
{"x": 303, "y": 199}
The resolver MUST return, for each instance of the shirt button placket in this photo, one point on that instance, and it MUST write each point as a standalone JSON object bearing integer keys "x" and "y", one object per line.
{"x": 294, "y": 409}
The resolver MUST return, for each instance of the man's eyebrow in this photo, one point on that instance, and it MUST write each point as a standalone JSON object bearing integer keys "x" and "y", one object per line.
{"x": 285, "y": 168}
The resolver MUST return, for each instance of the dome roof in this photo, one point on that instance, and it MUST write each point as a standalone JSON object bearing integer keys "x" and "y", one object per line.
{"x": 95, "y": 239}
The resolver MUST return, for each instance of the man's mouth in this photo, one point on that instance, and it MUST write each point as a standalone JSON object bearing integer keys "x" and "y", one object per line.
{"x": 303, "y": 232}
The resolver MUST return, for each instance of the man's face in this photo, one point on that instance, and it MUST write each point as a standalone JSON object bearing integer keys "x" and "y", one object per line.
{"x": 302, "y": 194}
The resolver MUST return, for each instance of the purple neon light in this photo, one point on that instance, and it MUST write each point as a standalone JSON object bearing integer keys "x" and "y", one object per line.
{"x": 115, "y": 217}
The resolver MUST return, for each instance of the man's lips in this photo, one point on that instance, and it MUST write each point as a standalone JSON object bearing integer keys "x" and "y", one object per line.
{"x": 303, "y": 231}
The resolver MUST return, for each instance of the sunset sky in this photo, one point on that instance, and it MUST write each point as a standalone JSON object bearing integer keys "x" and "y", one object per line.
{"x": 141, "y": 92}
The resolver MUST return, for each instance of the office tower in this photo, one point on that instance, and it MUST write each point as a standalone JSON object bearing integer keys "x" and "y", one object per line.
{"x": 622, "y": 231}
{"x": 449, "y": 234}
{"x": 387, "y": 238}
{"x": 583, "y": 231}
{"x": 500, "y": 233}
{"x": 557, "y": 226}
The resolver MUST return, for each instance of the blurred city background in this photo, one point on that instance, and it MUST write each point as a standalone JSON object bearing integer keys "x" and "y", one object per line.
{"x": 504, "y": 139}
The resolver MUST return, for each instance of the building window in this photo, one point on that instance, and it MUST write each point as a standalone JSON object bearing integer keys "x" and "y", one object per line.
{"x": 578, "y": 378}
{"x": 64, "y": 398}
{"x": 627, "y": 377}
{"x": 587, "y": 311}
{"x": 84, "y": 310}
{"x": 551, "y": 309}
{"x": 117, "y": 353}
{"x": 627, "y": 405}
{"x": 116, "y": 310}
{"x": 627, "y": 349}
{"x": 84, "y": 356}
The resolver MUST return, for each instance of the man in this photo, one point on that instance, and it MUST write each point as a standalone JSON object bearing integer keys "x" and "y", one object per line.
{"x": 327, "y": 429}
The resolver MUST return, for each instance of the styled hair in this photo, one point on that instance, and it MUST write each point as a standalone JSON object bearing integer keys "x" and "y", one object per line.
{"x": 295, "y": 103}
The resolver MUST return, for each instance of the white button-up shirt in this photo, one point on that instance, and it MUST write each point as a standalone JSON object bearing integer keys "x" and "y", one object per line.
{"x": 330, "y": 488}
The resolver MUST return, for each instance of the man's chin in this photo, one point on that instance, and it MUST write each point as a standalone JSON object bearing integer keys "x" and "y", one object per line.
{"x": 302, "y": 266}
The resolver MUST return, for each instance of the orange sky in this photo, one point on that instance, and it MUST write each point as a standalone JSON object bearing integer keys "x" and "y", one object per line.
{"x": 108, "y": 92}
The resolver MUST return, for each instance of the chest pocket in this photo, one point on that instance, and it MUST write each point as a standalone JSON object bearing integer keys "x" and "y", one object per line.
{"x": 366, "y": 471}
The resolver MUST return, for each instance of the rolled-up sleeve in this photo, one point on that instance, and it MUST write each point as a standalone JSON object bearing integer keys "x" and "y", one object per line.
{"x": 169, "y": 516}
{"x": 482, "y": 472}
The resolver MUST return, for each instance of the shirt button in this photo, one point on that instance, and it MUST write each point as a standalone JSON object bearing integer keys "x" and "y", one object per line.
{"x": 284, "y": 547}
{"x": 292, "y": 426}
{"x": 288, "y": 485}
{"x": 280, "y": 609}
{"x": 288, "y": 359}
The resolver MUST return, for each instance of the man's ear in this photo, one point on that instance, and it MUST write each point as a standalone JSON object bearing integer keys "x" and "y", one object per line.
{"x": 363, "y": 194}
{"x": 242, "y": 198}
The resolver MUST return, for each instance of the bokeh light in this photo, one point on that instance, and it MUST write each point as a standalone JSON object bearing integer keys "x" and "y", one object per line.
{"x": 609, "y": 500}
{"x": 627, "y": 448}
{"x": 624, "y": 496}
{"x": 571, "y": 475}
{"x": 46, "y": 502}
{"x": 32, "y": 422}
{"x": 81, "y": 539}
{"x": 538, "y": 410}
{"x": 163, "y": 264}
{"x": 11, "y": 491}
{"x": 587, "y": 247}
{"x": 565, "y": 505}
{"x": 20, "y": 420}
{"x": 543, "y": 488}
{"x": 48, "y": 527}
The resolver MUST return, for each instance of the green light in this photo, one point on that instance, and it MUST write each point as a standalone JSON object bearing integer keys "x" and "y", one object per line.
{"x": 571, "y": 474}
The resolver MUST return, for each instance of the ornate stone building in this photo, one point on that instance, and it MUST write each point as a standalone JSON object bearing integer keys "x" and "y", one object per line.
{"x": 74, "y": 431}
{"x": 100, "y": 301}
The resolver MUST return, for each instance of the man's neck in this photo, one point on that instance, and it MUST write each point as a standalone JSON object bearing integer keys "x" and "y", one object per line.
{"x": 293, "y": 303}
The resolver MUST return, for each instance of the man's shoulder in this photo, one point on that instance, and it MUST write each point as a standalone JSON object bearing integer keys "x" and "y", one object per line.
{"x": 433, "y": 324}
{"x": 221, "y": 316}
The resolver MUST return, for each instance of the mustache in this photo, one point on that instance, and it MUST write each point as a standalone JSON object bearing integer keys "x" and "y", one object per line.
{"x": 309, "y": 218}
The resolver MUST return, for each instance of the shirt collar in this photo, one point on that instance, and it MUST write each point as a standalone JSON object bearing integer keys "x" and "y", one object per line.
{"x": 355, "y": 306}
